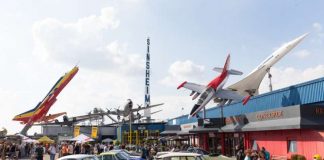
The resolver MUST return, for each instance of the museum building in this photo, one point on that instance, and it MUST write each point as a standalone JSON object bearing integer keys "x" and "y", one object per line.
{"x": 286, "y": 121}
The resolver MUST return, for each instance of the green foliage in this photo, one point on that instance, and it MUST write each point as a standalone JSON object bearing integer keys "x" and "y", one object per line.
{"x": 298, "y": 157}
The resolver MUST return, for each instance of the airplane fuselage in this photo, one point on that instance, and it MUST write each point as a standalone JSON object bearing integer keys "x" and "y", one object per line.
{"x": 39, "y": 113}
{"x": 209, "y": 93}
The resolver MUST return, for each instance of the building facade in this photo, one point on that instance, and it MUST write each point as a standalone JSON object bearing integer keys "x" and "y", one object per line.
{"x": 286, "y": 121}
{"x": 138, "y": 133}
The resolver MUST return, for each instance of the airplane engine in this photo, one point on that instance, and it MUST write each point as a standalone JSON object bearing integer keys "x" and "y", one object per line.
{"x": 192, "y": 93}
{"x": 65, "y": 118}
{"x": 139, "y": 115}
{"x": 217, "y": 100}
{"x": 195, "y": 96}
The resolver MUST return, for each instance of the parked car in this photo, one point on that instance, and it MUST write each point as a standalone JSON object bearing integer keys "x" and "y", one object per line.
{"x": 199, "y": 151}
{"x": 180, "y": 156}
{"x": 117, "y": 155}
{"x": 79, "y": 157}
{"x": 132, "y": 155}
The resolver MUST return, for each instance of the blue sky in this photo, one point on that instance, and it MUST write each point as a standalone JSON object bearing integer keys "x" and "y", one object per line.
{"x": 40, "y": 40}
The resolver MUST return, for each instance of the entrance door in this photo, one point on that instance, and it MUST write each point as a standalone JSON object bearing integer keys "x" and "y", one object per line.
{"x": 231, "y": 141}
{"x": 214, "y": 143}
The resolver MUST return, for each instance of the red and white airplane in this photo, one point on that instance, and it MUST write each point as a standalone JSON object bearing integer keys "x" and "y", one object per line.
{"x": 241, "y": 90}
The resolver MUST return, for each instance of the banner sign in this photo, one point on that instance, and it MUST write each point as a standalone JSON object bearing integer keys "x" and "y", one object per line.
{"x": 94, "y": 132}
{"x": 76, "y": 131}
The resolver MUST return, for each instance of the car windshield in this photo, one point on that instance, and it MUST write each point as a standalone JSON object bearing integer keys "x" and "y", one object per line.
{"x": 106, "y": 157}
{"x": 200, "y": 151}
{"x": 90, "y": 158}
{"x": 122, "y": 156}
{"x": 204, "y": 96}
{"x": 129, "y": 153}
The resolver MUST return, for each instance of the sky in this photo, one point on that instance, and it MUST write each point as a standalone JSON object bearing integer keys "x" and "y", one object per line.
{"x": 41, "y": 40}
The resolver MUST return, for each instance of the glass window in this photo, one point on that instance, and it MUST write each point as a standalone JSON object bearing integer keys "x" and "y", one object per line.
{"x": 175, "y": 158}
{"x": 204, "y": 95}
{"x": 124, "y": 154}
{"x": 121, "y": 156}
{"x": 200, "y": 158}
{"x": 292, "y": 146}
{"x": 106, "y": 157}
{"x": 191, "y": 158}
{"x": 203, "y": 152}
{"x": 90, "y": 158}
{"x": 183, "y": 158}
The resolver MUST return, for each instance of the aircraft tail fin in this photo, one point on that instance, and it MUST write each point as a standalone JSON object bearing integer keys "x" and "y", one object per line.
{"x": 227, "y": 62}
{"x": 226, "y": 68}
{"x": 231, "y": 71}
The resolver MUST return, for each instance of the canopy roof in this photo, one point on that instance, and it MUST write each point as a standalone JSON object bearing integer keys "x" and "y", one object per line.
{"x": 45, "y": 139}
{"x": 82, "y": 138}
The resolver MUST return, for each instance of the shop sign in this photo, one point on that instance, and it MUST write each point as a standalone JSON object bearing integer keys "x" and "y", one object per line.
{"x": 269, "y": 115}
{"x": 236, "y": 135}
{"x": 212, "y": 134}
{"x": 211, "y": 122}
{"x": 187, "y": 127}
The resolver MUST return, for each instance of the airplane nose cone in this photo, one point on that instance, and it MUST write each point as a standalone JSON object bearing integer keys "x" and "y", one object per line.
{"x": 298, "y": 40}
{"x": 193, "y": 110}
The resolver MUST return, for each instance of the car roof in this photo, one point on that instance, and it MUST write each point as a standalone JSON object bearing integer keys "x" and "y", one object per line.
{"x": 173, "y": 154}
{"x": 77, "y": 156}
{"x": 112, "y": 152}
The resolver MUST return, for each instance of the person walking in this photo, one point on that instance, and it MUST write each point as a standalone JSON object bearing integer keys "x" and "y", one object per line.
{"x": 266, "y": 153}
{"x": 239, "y": 153}
{"x": 248, "y": 154}
{"x": 39, "y": 152}
{"x": 52, "y": 151}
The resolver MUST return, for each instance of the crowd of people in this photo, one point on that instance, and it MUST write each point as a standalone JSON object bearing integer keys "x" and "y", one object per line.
{"x": 39, "y": 150}
{"x": 250, "y": 154}
{"x": 146, "y": 150}
{"x": 9, "y": 150}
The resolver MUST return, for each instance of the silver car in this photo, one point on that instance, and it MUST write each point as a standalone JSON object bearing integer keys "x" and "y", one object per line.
{"x": 79, "y": 157}
{"x": 180, "y": 156}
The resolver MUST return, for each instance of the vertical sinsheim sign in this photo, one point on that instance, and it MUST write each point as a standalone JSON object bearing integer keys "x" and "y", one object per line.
{"x": 147, "y": 98}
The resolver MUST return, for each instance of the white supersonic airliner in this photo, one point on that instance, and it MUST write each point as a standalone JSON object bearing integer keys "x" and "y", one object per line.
{"x": 239, "y": 91}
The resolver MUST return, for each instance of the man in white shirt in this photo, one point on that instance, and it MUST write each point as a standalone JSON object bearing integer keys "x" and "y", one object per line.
{"x": 52, "y": 151}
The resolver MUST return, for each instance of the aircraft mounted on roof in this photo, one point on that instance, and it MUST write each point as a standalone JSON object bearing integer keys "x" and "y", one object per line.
{"x": 239, "y": 91}
{"x": 129, "y": 111}
{"x": 38, "y": 114}
{"x": 71, "y": 121}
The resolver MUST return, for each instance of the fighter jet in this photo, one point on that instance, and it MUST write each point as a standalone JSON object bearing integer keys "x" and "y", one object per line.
{"x": 240, "y": 91}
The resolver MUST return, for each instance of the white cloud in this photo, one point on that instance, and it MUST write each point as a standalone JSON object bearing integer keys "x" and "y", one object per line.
{"x": 84, "y": 41}
{"x": 317, "y": 26}
{"x": 284, "y": 77}
{"x": 302, "y": 54}
{"x": 318, "y": 32}
{"x": 181, "y": 71}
